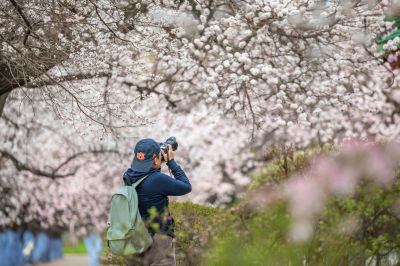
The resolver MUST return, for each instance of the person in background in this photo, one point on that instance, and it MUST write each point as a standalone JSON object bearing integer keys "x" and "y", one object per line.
{"x": 94, "y": 248}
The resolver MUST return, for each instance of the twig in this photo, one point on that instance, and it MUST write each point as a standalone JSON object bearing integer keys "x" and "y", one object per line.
{"x": 28, "y": 24}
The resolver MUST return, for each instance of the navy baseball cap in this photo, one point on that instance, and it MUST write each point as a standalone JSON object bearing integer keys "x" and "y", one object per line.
{"x": 145, "y": 150}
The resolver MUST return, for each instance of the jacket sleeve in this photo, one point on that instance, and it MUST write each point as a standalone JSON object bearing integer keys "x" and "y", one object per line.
{"x": 177, "y": 186}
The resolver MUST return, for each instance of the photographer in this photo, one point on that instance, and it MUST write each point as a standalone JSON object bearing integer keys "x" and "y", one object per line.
{"x": 153, "y": 193}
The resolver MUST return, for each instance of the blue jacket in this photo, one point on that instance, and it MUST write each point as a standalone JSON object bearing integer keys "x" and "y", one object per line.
{"x": 154, "y": 190}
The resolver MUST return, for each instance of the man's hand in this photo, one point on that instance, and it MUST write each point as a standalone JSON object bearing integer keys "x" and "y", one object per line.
{"x": 164, "y": 156}
{"x": 171, "y": 152}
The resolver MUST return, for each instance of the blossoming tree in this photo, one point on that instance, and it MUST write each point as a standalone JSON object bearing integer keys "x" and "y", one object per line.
{"x": 282, "y": 72}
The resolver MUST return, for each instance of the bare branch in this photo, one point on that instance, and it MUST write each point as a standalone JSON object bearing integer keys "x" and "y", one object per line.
{"x": 28, "y": 24}
{"x": 23, "y": 167}
{"x": 3, "y": 99}
{"x": 73, "y": 77}
{"x": 54, "y": 174}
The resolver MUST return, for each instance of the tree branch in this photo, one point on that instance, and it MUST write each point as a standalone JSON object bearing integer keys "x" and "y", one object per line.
{"x": 54, "y": 174}
{"x": 28, "y": 24}
{"x": 3, "y": 98}
{"x": 23, "y": 167}
{"x": 57, "y": 80}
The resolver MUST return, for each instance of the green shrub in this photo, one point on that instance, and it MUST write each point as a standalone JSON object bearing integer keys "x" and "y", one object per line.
{"x": 356, "y": 230}
{"x": 282, "y": 167}
{"x": 360, "y": 229}
{"x": 195, "y": 226}
{"x": 78, "y": 248}
{"x": 260, "y": 240}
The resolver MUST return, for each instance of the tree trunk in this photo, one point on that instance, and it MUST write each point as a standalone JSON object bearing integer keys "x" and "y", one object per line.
{"x": 3, "y": 99}
{"x": 8, "y": 82}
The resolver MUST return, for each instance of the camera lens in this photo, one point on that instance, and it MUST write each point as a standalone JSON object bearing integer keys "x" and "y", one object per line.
{"x": 172, "y": 141}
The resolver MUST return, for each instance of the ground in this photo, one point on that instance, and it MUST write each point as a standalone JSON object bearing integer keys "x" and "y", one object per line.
{"x": 68, "y": 260}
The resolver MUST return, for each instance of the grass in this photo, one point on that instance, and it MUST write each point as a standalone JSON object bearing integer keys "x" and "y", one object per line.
{"x": 79, "y": 248}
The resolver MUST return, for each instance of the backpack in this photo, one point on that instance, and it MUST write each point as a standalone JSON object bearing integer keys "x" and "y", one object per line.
{"x": 127, "y": 233}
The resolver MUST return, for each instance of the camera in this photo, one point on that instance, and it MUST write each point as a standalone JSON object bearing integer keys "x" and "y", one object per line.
{"x": 171, "y": 140}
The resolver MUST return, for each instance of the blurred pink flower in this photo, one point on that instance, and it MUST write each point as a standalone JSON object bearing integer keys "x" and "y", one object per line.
{"x": 379, "y": 166}
{"x": 337, "y": 174}
{"x": 301, "y": 231}
{"x": 392, "y": 58}
{"x": 334, "y": 176}
{"x": 306, "y": 196}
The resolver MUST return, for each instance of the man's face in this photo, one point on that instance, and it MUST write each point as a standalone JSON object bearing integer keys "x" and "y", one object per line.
{"x": 157, "y": 161}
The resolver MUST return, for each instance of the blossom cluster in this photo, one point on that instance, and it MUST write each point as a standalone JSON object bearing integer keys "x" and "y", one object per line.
{"x": 300, "y": 72}
{"x": 389, "y": 42}
{"x": 213, "y": 73}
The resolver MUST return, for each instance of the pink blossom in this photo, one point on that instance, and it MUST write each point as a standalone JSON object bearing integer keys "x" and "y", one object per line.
{"x": 306, "y": 196}
{"x": 392, "y": 58}
{"x": 379, "y": 166}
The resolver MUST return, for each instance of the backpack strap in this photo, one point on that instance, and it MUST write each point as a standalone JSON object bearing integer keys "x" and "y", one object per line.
{"x": 134, "y": 185}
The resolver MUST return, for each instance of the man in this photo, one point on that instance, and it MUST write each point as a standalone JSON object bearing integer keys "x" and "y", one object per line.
{"x": 153, "y": 194}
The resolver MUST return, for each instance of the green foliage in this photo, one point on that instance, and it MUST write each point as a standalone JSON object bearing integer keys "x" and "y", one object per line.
{"x": 195, "y": 226}
{"x": 391, "y": 36}
{"x": 107, "y": 258}
{"x": 356, "y": 230}
{"x": 78, "y": 248}
{"x": 360, "y": 229}
{"x": 260, "y": 240}
{"x": 281, "y": 168}
{"x": 367, "y": 223}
